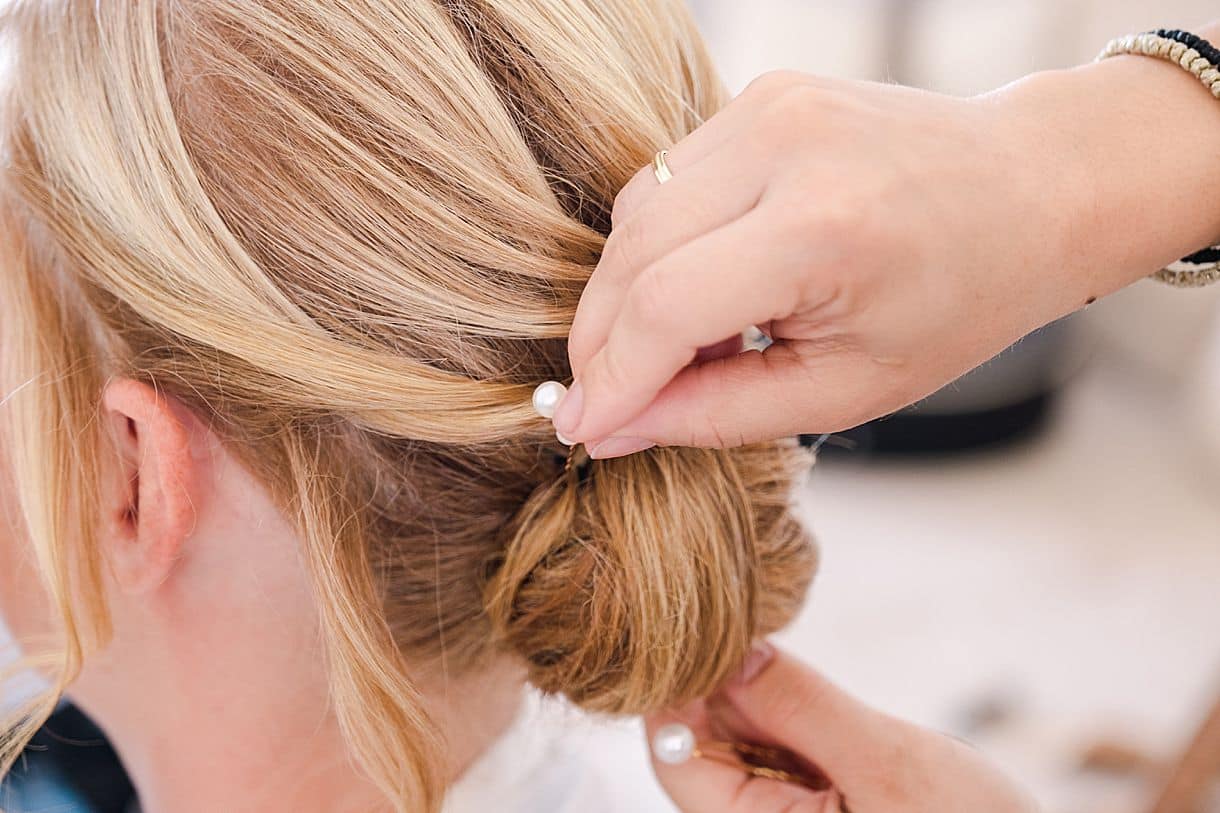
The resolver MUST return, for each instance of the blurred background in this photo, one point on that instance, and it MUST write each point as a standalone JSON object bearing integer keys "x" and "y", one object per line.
{"x": 1031, "y": 559}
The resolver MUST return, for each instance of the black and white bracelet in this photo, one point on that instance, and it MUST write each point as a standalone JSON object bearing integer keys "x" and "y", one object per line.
{"x": 1200, "y": 58}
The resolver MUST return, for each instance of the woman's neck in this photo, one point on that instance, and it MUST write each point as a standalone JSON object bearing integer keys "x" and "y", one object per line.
{"x": 270, "y": 757}
{"x": 259, "y": 763}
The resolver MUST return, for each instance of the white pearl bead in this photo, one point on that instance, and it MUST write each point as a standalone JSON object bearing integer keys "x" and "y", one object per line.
{"x": 547, "y": 396}
{"x": 752, "y": 338}
{"x": 565, "y": 441}
{"x": 674, "y": 744}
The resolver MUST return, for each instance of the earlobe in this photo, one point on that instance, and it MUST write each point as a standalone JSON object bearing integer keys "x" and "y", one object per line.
{"x": 151, "y": 487}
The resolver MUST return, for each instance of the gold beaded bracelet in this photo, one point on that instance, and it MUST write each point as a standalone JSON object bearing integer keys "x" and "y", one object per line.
{"x": 1198, "y": 57}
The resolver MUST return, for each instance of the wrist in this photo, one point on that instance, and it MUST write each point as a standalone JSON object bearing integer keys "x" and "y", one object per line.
{"x": 1120, "y": 149}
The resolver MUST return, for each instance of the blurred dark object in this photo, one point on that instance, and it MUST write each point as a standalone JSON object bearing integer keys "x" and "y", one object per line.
{"x": 68, "y": 768}
{"x": 909, "y": 433}
{"x": 1003, "y": 402}
{"x": 988, "y": 712}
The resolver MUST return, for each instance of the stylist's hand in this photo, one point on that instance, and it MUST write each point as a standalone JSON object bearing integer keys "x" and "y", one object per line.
{"x": 887, "y": 239}
{"x": 876, "y": 764}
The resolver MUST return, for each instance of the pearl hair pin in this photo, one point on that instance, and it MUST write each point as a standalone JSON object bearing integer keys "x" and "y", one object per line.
{"x": 547, "y": 396}
{"x": 675, "y": 744}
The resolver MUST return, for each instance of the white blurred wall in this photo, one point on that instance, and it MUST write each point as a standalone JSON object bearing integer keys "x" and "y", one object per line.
{"x": 959, "y": 46}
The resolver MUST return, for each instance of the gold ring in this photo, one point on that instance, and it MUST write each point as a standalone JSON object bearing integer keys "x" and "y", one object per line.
{"x": 660, "y": 167}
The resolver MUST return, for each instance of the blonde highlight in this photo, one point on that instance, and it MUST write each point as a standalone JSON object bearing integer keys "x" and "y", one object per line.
{"x": 353, "y": 236}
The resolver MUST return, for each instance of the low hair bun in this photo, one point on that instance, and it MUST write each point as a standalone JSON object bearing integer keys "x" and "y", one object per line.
{"x": 643, "y": 583}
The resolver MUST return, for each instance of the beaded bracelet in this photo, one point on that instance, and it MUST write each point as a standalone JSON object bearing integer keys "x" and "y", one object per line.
{"x": 1201, "y": 58}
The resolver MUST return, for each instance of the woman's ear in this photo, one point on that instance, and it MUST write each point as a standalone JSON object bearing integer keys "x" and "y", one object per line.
{"x": 152, "y": 483}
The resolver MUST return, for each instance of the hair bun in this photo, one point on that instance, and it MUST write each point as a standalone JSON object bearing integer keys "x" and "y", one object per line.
{"x": 644, "y": 584}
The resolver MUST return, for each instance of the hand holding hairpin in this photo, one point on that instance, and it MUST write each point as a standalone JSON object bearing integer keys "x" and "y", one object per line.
{"x": 675, "y": 744}
{"x": 779, "y": 737}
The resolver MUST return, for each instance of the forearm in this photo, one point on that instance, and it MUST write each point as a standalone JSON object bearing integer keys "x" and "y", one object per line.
{"x": 1137, "y": 174}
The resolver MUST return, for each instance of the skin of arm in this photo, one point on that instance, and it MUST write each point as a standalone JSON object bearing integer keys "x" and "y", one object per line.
{"x": 1140, "y": 131}
{"x": 889, "y": 240}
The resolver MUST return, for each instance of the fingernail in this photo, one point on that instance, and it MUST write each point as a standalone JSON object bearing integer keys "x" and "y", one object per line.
{"x": 759, "y": 658}
{"x": 619, "y": 447}
{"x": 571, "y": 408}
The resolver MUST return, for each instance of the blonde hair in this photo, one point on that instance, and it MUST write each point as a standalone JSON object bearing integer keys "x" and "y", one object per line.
{"x": 353, "y": 235}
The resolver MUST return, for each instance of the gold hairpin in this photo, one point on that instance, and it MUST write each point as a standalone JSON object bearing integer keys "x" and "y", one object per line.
{"x": 675, "y": 744}
{"x": 753, "y": 759}
{"x": 578, "y": 460}
{"x": 547, "y": 397}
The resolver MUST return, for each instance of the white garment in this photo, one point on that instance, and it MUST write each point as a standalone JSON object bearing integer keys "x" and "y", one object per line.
{"x": 555, "y": 760}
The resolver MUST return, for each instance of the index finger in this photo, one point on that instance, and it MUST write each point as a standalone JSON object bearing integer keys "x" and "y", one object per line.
{"x": 696, "y": 296}
{"x": 647, "y": 224}
{"x": 734, "y": 118}
{"x": 860, "y": 749}
{"x": 681, "y": 212}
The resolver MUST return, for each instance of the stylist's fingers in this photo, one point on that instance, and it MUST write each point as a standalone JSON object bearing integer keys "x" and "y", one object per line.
{"x": 677, "y": 214}
{"x": 702, "y": 785}
{"x": 875, "y": 761}
{"x": 864, "y": 752}
{"x": 719, "y": 172}
{"x": 737, "y": 117}
{"x": 694, "y": 297}
{"x": 751, "y": 397}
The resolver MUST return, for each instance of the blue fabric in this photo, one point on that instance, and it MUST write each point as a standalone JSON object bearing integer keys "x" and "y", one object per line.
{"x": 41, "y": 788}
{"x": 68, "y": 767}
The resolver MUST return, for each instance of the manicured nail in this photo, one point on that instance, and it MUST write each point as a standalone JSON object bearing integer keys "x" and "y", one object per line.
{"x": 571, "y": 408}
{"x": 619, "y": 447}
{"x": 759, "y": 658}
